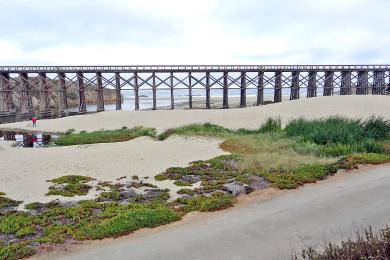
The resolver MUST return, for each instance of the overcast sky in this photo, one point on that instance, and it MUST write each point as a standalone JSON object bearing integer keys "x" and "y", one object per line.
{"x": 132, "y": 32}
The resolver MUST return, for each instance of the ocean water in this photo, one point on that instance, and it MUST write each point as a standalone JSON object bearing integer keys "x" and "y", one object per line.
{"x": 180, "y": 96}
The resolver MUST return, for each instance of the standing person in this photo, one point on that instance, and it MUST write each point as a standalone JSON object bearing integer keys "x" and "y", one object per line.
{"x": 34, "y": 121}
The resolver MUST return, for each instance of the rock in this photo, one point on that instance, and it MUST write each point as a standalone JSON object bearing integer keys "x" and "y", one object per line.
{"x": 236, "y": 188}
{"x": 128, "y": 194}
{"x": 258, "y": 183}
{"x": 191, "y": 178}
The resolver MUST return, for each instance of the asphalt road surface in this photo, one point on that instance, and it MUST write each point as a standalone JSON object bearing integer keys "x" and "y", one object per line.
{"x": 274, "y": 229}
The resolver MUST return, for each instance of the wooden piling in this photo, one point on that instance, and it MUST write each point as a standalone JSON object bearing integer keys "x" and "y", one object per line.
{"x": 362, "y": 84}
{"x": 278, "y": 87}
{"x": 172, "y": 93}
{"x": 118, "y": 94}
{"x": 379, "y": 83}
{"x": 190, "y": 90}
{"x": 154, "y": 90}
{"x": 312, "y": 84}
{"x": 6, "y": 90}
{"x": 329, "y": 83}
{"x": 208, "y": 90}
{"x": 26, "y": 106}
{"x": 225, "y": 90}
{"x": 99, "y": 92}
{"x": 346, "y": 83}
{"x": 243, "y": 90}
{"x": 63, "y": 99}
{"x": 260, "y": 89}
{"x": 44, "y": 89}
{"x": 136, "y": 91}
{"x": 294, "y": 92}
{"x": 81, "y": 86}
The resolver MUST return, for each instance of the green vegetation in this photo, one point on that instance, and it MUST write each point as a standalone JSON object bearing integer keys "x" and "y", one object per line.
{"x": 6, "y": 203}
{"x": 216, "y": 201}
{"x": 70, "y": 186}
{"x": 367, "y": 245}
{"x": 304, "y": 151}
{"x": 339, "y": 136}
{"x": 16, "y": 251}
{"x": 87, "y": 220}
{"x": 107, "y": 136}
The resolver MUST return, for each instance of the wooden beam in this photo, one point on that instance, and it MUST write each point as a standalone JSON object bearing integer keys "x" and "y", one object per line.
{"x": 172, "y": 92}
{"x": 225, "y": 90}
{"x": 99, "y": 92}
{"x": 328, "y": 86}
{"x": 190, "y": 90}
{"x": 294, "y": 91}
{"x": 346, "y": 83}
{"x": 278, "y": 87}
{"x": 136, "y": 91}
{"x": 243, "y": 90}
{"x": 118, "y": 89}
{"x": 379, "y": 87}
{"x": 81, "y": 86}
{"x": 312, "y": 84}
{"x": 260, "y": 89}
{"x": 208, "y": 90}
{"x": 154, "y": 90}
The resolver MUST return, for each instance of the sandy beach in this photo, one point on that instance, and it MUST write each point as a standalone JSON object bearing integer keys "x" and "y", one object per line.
{"x": 25, "y": 171}
{"x": 250, "y": 117}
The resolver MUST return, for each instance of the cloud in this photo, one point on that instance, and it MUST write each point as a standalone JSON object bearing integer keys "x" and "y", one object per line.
{"x": 194, "y": 32}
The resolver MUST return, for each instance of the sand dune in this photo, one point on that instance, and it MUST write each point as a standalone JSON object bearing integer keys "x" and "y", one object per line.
{"x": 251, "y": 117}
{"x": 24, "y": 171}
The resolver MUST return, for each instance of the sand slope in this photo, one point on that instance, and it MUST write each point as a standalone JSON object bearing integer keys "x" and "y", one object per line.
{"x": 24, "y": 171}
{"x": 251, "y": 117}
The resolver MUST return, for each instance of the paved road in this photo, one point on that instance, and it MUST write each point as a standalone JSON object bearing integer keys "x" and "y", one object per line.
{"x": 266, "y": 230}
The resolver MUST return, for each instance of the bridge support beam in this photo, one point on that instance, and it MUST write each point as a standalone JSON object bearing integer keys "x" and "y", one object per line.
{"x": 190, "y": 90}
{"x": 154, "y": 90}
{"x": 171, "y": 88}
{"x": 136, "y": 91}
{"x": 362, "y": 84}
{"x": 379, "y": 83}
{"x": 6, "y": 102}
{"x": 63, "y": 99}
{"x": 328, "y": 86}
{"x": 208, "y": 90}
{"x": 346, "y": 83}
{"x": 260, "y": 88}
{"x": 278, "y": 87}
{"x": 118, "y": 88}
{"x": 81, "y": 86}
{"x": 312, "y": 84}
{"x": 225, "y": 90}
{"x": 44, "y": 88}
{"x": 243, "y": 90}
{"x": 99, "y": 92}
{"x": 26, "y": 105}
{"x": 294, "y": 93}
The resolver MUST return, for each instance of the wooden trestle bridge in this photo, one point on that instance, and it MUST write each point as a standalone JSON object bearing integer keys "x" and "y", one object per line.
{"x": 297, "y": 80}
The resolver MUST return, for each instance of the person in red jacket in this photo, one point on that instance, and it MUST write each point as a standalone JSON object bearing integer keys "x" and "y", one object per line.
{"x": 34, "y": 121}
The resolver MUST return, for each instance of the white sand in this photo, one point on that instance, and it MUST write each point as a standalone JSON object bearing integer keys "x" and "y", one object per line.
{"x": 24, "y": 171}
{"x": 251, "y": 117}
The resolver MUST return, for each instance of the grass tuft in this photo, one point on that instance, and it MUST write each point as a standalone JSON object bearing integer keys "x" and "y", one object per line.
{"x": 106, "y": 136}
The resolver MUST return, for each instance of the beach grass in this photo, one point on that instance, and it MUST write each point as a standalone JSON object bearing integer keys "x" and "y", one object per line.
{"x": 104, "y": 136}
{"x": 304, "y": 151}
